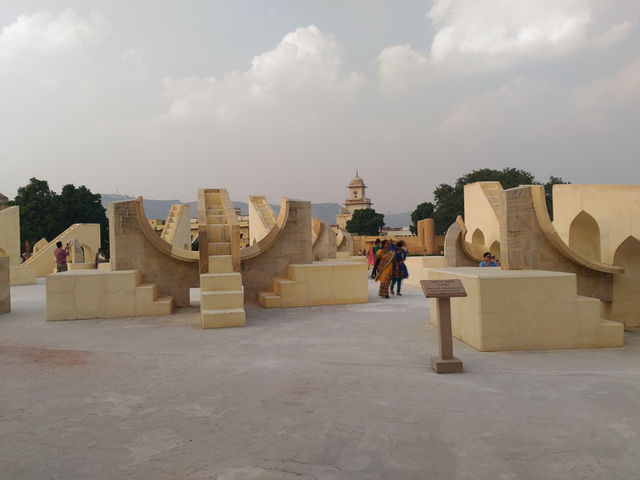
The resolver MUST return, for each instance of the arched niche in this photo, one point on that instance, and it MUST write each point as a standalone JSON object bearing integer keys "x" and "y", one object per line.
{"x": 584, "y": 236}
{"x": 495, "y": 249}
{"x": 2, "y": 253}
{"x": 478, "y": 237}
{"x": 626, "y": 286}
{"x": 87, "y": 253}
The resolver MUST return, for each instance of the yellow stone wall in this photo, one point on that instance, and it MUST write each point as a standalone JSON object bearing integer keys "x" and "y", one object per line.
{"x": 5, "y": 287}
{"x": 85, "y": 294}
{"x": 480, "y": 216}
{"x": 10, "y": 234}
{"x": 524, "y": 310}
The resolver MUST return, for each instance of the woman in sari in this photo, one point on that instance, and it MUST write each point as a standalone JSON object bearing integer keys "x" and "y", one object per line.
{"x": 385, "y": 258}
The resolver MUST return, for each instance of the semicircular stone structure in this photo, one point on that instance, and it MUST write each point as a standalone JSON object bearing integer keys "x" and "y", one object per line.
{"x": 135, "y": 246}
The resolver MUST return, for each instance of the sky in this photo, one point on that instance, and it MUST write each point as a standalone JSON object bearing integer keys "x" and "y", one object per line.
{"x": 289, "y": 98}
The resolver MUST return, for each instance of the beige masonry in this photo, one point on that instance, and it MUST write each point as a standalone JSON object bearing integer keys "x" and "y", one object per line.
{"x": 86, "y": 236}
{"x": 19, "y": 274}
{"x": 135, "y": 246}
{"x": 323, "y": 240}
{"x": 177, "y": 228}
{"x": 87, "y": 294}
{"x": 525, "y": 310}
{"x": 5, "y": 287}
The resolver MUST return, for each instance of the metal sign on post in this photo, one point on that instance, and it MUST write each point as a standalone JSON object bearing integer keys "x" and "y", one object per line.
{"x": 443, "y": 290}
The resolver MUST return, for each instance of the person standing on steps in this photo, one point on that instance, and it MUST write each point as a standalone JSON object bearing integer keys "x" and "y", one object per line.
{"x": 61, "y": 255}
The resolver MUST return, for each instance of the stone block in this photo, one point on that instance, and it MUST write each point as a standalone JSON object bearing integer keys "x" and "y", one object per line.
{"x": 524, "y": 309}
{"x": 234, "y": 317}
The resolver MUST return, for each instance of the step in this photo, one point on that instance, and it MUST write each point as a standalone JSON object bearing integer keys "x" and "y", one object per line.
{"x": 283, "y": 286}
{"x": 216, "y": 219}
{"x": 230, "y": 317}
{"x": 218, "y": 232}
{"x": 219, "y": 248}
{"x": 220, "y": 264}
{"x": 221, "y": 299}
{"x": 610, "y": 334}
{"x": 220, "y": 281}
{"x": 163, "y": 305}
{"x": 146, "y": 293}
{"x": 269, "y": 300}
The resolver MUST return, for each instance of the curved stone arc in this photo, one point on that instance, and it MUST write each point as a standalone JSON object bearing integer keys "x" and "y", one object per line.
{"x": 316, "y": 230}
{"x": 267, "y": 241}
{"x": 473, "y": 251}
{"x": 549, "y": 231}
{"x": 159, "y": 243}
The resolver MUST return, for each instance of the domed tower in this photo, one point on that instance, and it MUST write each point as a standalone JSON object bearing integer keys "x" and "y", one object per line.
{"x": 356, "y": 200}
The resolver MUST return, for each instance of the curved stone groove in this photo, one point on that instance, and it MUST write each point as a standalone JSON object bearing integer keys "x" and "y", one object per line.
{"x": 549, "y": 231}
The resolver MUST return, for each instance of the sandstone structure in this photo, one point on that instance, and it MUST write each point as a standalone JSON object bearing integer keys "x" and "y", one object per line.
{"x": 177, "y": 227}
{"x": 19, "y": 274}
{"x": 5, "y": 287}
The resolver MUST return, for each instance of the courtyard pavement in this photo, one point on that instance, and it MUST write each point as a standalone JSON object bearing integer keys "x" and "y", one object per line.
{"x": 336, "y": 392}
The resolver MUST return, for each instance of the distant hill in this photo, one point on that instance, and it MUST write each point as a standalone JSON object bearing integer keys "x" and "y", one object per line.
{"x": 326, "y": 212}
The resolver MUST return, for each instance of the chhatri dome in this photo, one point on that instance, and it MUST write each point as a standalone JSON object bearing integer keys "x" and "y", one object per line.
{"x": 356, "y": 182}
{"x": 356, "y": 200}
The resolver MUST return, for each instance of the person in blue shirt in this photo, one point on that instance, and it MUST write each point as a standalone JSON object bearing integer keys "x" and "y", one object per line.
{"x": 489, "y": 260}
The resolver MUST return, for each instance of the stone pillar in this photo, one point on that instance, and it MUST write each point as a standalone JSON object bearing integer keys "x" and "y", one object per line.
{"x": 428, "y": 228}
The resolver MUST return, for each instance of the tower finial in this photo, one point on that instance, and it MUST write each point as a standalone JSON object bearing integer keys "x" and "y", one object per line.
{"x": 356, "y": 172}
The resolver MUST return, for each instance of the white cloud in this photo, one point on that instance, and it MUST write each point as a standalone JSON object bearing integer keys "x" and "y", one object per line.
{"x": 482, "y": 36}
{"x": 499, "y": 28}
{"x": 306, "y": 66}
{"x": 400, "y": 66}
{"x": 614, "y": 34}
{"x": 43, "y": 33}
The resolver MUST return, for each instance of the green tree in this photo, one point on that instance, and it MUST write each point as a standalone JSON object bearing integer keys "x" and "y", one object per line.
{"x": 365, "y": 222}
{"x": 79, "y": 205}
{"x": 43, "y": 213}
{"x": 39, "y": 215}
{"x": 422, "y": 211}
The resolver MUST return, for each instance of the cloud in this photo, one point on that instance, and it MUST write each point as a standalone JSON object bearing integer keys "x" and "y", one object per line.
{"x": 620, "y": 90}
{"x": 482, "y": 36}
{"x": 401, "y": 66}
{"x": 614, "y": 34}
{"x": 307, "y": 66}
{"x": 41, "y": 33}
{"x": 497, "y": 28}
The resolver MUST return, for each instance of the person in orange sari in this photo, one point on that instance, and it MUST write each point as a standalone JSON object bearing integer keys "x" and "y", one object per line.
{"x": 383, "y": 267}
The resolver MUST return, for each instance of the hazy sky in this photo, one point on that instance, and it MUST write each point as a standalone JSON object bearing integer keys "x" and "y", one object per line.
{"x": 288, "y": 98}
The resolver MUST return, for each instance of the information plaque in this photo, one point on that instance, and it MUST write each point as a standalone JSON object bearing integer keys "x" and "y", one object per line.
{"x": 443, "y": 288}
{"x": 442, "y": 291}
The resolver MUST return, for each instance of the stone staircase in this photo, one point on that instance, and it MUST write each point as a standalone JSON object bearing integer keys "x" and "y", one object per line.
{"x": 169, "y": 229}
{"x": 329, "y": 282}
{"x": 492, "y": 191}
{"x": 222, "y": 295}
{"x": 266, "y": 213}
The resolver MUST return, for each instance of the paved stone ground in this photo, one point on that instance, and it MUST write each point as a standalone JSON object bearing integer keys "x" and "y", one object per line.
{"x": 341, "y": 392}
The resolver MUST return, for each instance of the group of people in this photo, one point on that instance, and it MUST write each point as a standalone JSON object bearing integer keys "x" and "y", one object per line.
{"x": 386, "y": 261}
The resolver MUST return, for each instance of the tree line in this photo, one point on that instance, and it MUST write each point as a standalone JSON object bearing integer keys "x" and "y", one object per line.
{"x": 448, "y": 200}
{"x": 46, "y": 214}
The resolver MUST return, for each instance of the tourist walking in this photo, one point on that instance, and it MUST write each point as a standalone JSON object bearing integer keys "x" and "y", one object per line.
{"x": 385, "y": 260}
{"x": 400, "y": 271}
{"x": 375, "y": 249}
{"x": 61, "y": 255}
